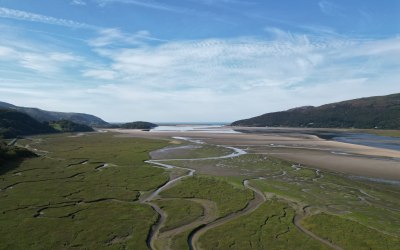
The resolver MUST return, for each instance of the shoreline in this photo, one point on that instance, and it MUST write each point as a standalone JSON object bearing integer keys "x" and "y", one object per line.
{"x": 365, "y": 137}
{"x": 308, "y": 150}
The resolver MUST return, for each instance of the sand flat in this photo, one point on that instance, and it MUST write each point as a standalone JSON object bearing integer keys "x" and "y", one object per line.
{"x": 300, "y": 148}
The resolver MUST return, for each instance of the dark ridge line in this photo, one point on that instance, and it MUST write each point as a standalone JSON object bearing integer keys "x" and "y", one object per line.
{"x": 73, "y": 203}
{"x": 100, "y": 166}
{"x": 26, "y": 170}
{"x": 78, "y": 163}
{"x": 282, "y": 233}
{"x": 109, "y": 199}
{"x": 72, "y": 193}
{"x": 38, "y": 212}
{"x": 15, "y": 209}
{"x": 72, "y": 215}
{"x": 21, "y": 182}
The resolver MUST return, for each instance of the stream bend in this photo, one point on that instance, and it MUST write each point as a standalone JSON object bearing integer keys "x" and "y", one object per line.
{"x": 155, "y": 230}
{"x": 196, "y": 233}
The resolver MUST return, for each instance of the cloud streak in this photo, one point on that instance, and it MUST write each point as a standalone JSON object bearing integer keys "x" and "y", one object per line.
{"x": 147, "y": 4}
{"x": 115, "y": 37}
{"x": 329, "y": 8}
{"x": 36, "y": 58}
{"x": 33, "y": 17}
{"x": 78, "y": 2}
{"x": 221, "y": 64}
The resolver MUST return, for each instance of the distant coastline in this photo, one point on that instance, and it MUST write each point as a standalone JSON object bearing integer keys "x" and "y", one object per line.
{"x": 356, "y": 137}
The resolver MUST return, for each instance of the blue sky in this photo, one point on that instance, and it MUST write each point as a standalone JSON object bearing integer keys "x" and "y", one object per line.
{"x": 195, "y": 60}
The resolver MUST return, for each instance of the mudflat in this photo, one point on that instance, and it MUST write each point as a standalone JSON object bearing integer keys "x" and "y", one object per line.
{"x": 300, "y": 148}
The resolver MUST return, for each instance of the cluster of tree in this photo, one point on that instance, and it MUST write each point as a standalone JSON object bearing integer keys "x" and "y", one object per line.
{"x": 138, "y": 125}
{"x": 68, "y": 126}
{"x": 10, "y": 153}
{"x": 381, "y": 112}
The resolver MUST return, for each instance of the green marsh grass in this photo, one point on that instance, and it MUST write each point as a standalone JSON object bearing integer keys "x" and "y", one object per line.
{"x": 371, "y": 204}
{"x": 269, "y": 227}
{"x": 179, "y": 212}
{"x": 228, "y": 197}
{"x": 81, "y": 193}
{"x": 349, "y": 234}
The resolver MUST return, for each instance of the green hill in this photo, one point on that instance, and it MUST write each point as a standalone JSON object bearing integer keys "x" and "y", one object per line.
{"x": 68, "y": 126}
{"x": 381, "y": 112}
{"x": 48, "y": 116}
{"x": 138, "y": 125}
{"x": 14, "y": 123}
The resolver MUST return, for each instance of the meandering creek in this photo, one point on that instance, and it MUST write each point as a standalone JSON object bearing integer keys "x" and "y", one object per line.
{"x": 195, "y": 234}
{"x": 201, "y": 228}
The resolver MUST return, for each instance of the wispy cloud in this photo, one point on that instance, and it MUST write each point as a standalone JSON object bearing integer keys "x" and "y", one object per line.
{"x": 36, "y": 58}
{"x": 228, "y": 64}
{"x": 105, "y": 37}
{"x": 47, "y": 62}
{"x": 113, "y": 36}
{"x": 224, "y": 72}
{"x": 318, "y": 29}
{"x": 6, "y": 52}
{"x": 33, "y": 17}
{"x": 102, "y": 74}
{"x": 78, "y": 2}
{"x": 166, "y": 6}
{"x": 144, "y": 3}
{"x": 329, "y": 8}
{"x": 279, "y": 70}
{"x": 219, "y": 2}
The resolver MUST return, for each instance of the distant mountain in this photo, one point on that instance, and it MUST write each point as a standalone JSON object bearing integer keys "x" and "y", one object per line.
{"x": 14, "y": 123}
{"x": 373, "y": 112}
{"x": 138, "y": 125}
{"x": 47, "y": 116}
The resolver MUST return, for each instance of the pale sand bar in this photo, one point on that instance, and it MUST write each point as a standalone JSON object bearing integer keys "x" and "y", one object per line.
{"x": 300, "y": 148}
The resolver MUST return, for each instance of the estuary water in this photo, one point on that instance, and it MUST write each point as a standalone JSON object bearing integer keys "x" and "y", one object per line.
{"x": 195, "y": 128}
{"x": 371, "y": 140}
{"x": 365, "y": 139}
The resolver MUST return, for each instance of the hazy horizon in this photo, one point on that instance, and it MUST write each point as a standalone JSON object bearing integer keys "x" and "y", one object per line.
{"x": 195, "y": 60}
{"x": 181, "y": 123}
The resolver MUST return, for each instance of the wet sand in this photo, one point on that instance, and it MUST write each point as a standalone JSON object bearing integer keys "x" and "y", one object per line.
{"x": 306, "y": 149}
